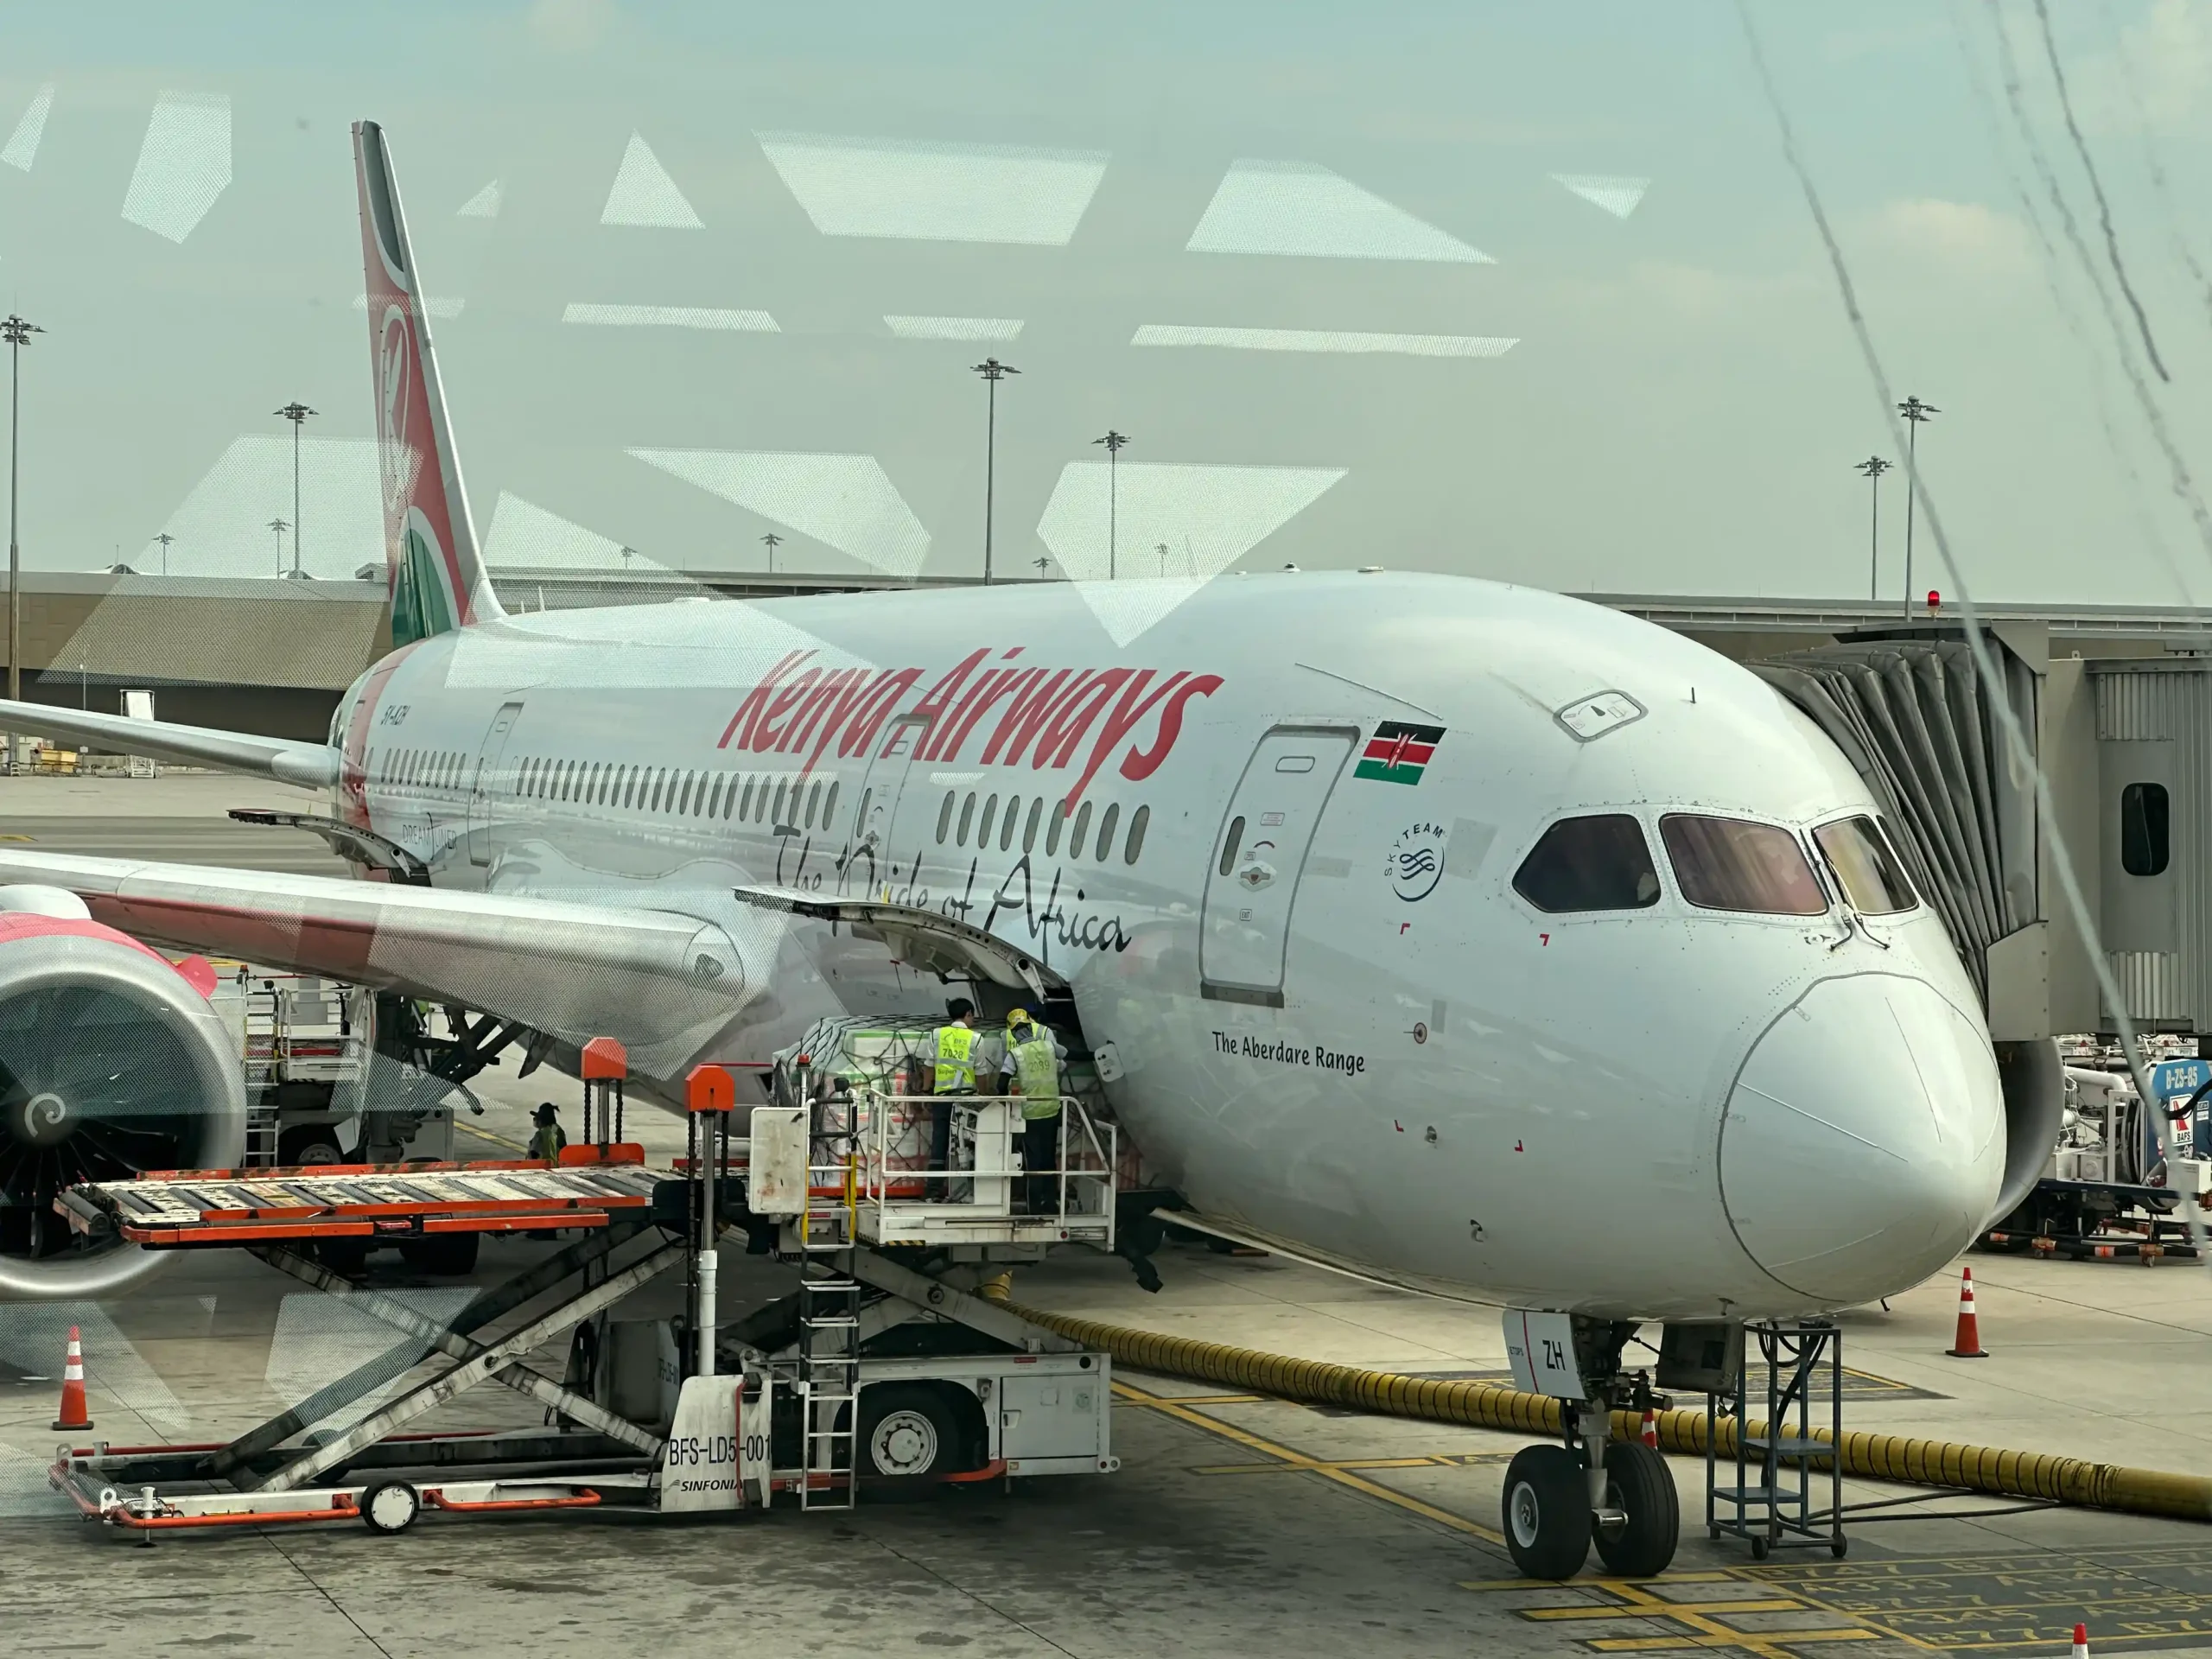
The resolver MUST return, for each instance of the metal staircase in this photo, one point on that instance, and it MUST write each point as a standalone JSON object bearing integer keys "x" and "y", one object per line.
{"x": 830, "y": 1374}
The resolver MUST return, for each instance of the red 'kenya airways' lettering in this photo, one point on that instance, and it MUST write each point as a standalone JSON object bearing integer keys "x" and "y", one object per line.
{"x": 1048, "y": 713}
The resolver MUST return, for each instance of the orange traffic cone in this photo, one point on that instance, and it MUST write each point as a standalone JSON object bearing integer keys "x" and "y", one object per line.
{"x": 1650, "y": 1433}
{"x": 2081, "y": 1642}
{"x": 1967, "y": 1344}
{"x": 74, "y": 1412}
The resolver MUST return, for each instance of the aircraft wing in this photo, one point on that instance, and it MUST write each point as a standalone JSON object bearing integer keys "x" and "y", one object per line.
{"x": 656, "y": 980}
{"x": 310, "y": 766}
{"x": 573, "y": 971}
{"x": 920, "y": 938}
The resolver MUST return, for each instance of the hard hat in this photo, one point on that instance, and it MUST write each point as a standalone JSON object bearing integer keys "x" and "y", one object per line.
{"x": 546, "y": 1112}
{"x": 1017, "y": 1017}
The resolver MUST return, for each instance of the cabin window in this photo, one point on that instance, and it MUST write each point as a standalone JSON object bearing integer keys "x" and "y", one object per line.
{"x": 1106, "y": 833}
{"x": 745, "y": 802}
{"x": 1029, "y": 828}
{"x": 829, "y": 805}
{"x": 783, "y": 795}
{"x": 2143, "y": 829}
{"x": 944, "y": 818}
{"x": 1735, "y": 864}
{"x": 967, "y": 812}
{"x": 660, "y": 788}
{"x": 814, "y": 803}
{"x": 1230, "y": 844}
{"x": 1082, "y": 830}
{"x": 1006, "y": 826}
{"x": 1865, "y": 868}
{"x": 684, "y": 793}
{"x": 983, "y": 829}
{"x": 1600, "y": 862}
{"x": 730, "y": 799}
{"x": 1138, "y": 822}
{"x": 715, "y": 800}
{"x": 1052, "y": 834}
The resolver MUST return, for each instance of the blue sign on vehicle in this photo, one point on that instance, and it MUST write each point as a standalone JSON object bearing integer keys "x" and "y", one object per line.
{"x": 2173, "y": 1082}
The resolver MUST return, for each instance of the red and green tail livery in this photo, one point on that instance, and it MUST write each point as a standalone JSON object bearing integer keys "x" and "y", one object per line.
{"x": 1398, "y": 753}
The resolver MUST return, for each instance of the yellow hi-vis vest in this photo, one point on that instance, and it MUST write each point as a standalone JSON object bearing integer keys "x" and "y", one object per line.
{"x": 956, "y": 1067}
{"x": 1037, "y": 1071}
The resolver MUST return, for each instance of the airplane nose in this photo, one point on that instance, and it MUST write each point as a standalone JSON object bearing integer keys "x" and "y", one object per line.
{"x": 1863, "y": 1141}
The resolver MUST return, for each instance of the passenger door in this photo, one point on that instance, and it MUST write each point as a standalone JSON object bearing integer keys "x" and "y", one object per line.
{"x": 1257, "y": 859}
{"x": 875, "y": 815}
{"x": 480, "y": 803}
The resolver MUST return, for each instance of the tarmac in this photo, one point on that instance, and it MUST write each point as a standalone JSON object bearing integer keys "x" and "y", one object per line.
{"x": 1235, "y": 1525}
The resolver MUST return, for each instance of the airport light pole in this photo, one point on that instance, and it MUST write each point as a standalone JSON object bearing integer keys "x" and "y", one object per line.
{"x": 17, "y": 333}
{"x": 1163, "y": 558}
{"x": 280, "y": 527}
{"x": 1915, "y": 413}
{"x": 297, "y": 412}
{"x": 1113, "y": 441}
{"x": 1874, "y": 467}
{"x": 165, "y": 539}
{"x": 771, "y": 542}
{"x": 993, "y": 371}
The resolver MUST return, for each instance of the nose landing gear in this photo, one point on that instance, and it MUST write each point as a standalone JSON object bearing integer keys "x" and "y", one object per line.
{"x": 1618, "y": 1495}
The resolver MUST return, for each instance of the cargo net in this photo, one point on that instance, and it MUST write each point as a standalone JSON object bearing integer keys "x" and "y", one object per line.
{"x": 1912, "y": 718}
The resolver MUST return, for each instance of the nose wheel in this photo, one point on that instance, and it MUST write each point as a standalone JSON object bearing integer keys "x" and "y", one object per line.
{"x": 1547, "y": 1512}
{"x": 1638, "y": 1489}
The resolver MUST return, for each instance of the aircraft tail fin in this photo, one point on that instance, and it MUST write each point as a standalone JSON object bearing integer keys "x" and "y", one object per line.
{"x": 434, "y": 563}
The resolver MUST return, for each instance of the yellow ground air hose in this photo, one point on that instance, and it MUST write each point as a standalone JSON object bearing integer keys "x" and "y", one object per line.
{"x": 2073, "y": 1481}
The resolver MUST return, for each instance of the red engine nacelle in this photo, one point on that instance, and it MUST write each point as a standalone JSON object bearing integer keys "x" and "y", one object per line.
{"x": 112, "y": 1062}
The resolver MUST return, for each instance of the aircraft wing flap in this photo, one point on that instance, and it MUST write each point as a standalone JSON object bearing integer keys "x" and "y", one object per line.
{"x": 309, "y": 766}
{"x": 923, "y": 939}
{"x": 571, "y": 970}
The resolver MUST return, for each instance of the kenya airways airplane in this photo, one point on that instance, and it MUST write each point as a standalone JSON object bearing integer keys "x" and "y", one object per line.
{"x": 1462, "y": 935}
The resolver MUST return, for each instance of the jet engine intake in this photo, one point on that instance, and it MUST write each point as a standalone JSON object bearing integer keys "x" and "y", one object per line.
{"x": 2034, "y": 1080}
{"x": 112, "y": 1062}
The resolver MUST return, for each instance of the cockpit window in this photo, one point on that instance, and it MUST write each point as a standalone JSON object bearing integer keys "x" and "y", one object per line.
{"x": 1601, "y": 863}
{"x": 1865, "y": 866}
{"x": 1734, "y": 864}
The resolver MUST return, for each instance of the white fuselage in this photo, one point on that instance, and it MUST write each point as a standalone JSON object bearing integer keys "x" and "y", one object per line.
{"x": 1348, "y": 1031}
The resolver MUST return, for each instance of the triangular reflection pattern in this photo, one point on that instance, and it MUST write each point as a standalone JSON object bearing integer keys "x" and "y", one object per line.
{"x": 1618, "y": 195}
{"x": 1296, "y": 208}
{"x": 643, "y": 193}
{"x": 1206, "y": 517}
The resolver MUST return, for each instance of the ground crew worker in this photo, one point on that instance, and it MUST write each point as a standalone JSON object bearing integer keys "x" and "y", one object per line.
{"x": 1033, "y": 1061}
{"x": 953, "y": 1048}
{"x": 547, "y": 1139}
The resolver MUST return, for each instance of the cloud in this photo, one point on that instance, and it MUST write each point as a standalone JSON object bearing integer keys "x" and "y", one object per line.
{"x": 1962, "y": 239}
{"x": 570, "y": 25}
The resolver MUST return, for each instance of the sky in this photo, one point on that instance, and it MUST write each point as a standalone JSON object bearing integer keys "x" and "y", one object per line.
{"x": 1526, "y": 293}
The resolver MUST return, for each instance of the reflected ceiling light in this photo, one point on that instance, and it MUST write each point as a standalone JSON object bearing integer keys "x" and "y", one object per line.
{"x": 319, "y": 1338}
{"x": 847, "y": 502}
{"x": 937, "y": 192}
{"x": 1616, "y": 194}
{"x": 1207, "y": 516}
{"x": 524, "y": 534}
{"x": 22, "y": 145}
{"x": 1318, "y": 340}
{"x": 225, "y": 516}
{"x": 670, "y": 316}
{"x": 954, "y": 327}
{"x": 643, "y": 193}
{"x": 184, "y": 163}
{"x": 1296, "y": 208}
{"x": 435, "y": 305}
{"x": 484, "y": 204}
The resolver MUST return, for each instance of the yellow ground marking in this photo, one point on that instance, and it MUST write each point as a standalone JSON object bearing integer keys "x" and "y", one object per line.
{"x": 1283, "y": 1454}
{"x": 1673, "y": 1607}
{"x": 1774, "y": 1643}
{"x": 1634, "y": 1600}
{"x": 1443, "y": 1460}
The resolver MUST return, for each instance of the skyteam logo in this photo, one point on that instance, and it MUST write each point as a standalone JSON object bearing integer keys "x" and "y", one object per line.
{"x": 1417, "y": 861}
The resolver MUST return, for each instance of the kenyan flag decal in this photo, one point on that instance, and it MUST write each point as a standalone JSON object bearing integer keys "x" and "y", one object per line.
{"x": 1398, "y": 753}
